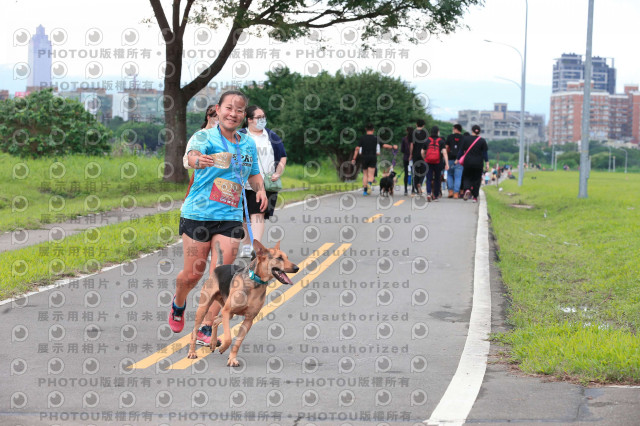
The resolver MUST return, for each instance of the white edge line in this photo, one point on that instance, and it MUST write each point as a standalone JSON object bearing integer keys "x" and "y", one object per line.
{"x": 61, "y": 283}
{"x": 461, "y": 394}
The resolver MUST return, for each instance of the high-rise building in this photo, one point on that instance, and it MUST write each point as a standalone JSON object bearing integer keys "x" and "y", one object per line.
{"x": 502, "y": 123}
{"x": 612, "y": 117}
{"x": 570, "y": 67}
{"x": 39, "y": 60}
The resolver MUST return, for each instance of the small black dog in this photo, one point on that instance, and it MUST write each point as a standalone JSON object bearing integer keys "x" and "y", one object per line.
{"x": 387, "y": 184}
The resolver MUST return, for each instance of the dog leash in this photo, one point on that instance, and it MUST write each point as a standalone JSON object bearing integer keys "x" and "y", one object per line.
{"x": 237, "y": 165}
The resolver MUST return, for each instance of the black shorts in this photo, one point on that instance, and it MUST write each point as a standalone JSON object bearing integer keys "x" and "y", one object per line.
{"x": 204, "y": 230}
{"x": 369, "y": 161}
{"x": 254, "y": 207}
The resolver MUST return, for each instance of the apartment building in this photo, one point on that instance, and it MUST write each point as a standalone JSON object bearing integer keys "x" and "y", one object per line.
{"x": 612, "y": 117}
{"x": 501, "y": 123}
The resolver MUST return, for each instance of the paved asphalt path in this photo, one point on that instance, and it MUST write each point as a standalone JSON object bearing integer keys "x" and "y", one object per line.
{"x": 371, "y": 332}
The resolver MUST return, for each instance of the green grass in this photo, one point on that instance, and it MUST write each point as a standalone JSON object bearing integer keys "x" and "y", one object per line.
{"x": 47, "y": 190}
{"x": 573, "y": 277}
{"x": 26, "y": 269}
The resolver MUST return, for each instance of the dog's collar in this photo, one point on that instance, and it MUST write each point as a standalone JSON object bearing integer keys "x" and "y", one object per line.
{"x": 256, "y": 278}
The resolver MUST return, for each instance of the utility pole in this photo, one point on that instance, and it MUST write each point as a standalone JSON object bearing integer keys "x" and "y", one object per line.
{"x": 586, "y": 109}
{"x": 523, "y": 85}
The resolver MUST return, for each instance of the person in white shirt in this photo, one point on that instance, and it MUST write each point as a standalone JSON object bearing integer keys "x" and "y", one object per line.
{"x": 272, "y": 160}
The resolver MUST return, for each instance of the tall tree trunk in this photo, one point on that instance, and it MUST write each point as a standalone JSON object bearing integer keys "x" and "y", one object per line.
{"x": 175, "y": 115}
{"x": 346, "y": 170}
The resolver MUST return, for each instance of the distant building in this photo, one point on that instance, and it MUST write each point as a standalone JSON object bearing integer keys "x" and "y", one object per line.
{"x": 501, "y": 123}
{"x": 139, "y": 105}
{"x": 205, "y": 97}
{"x": 95, "y": 101}
{"x": 39, "y": 60}
{"x": 4, "y": 95}
{"x": 612, "y": 116}
{"x": 569, "y": 67}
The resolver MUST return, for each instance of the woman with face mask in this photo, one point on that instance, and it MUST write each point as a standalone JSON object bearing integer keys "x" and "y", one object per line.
{"x": 272, "y": 160}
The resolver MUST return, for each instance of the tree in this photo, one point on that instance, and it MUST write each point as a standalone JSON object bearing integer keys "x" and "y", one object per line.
{"x": 194, "y": 122}
{"x": 147, "y": 136}
{"x": 284, "y": 20}
{"x": 270, "y": 97}
{"x": 42, "y": 124}
{"x": 115, "y": 122}
{"x": 571, "y": 159}
{"x": 446, "y": 128}
{"x": 326, "y": 115}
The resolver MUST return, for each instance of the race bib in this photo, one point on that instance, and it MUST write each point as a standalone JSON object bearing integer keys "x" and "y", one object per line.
{"x": 222, "y": 160}
{"x": 226, "y": 192}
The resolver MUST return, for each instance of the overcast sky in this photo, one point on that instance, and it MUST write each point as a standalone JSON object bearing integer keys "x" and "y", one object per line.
{"x": 463, "y": 71}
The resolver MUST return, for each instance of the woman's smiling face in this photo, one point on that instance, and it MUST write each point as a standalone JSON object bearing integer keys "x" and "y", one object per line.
{"x": 231, "y": 112}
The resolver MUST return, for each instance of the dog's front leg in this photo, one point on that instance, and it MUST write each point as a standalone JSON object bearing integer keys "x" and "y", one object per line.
{"x": 226, "y": 329}
{"x": 244, "y": 329}
{"x": 214, "y": 332}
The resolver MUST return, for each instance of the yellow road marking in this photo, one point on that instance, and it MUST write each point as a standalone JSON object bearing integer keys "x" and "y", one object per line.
{"x": 270, "y": 307}
{"x": 373, "y": 218}
{"x": 398, "y": 203}
{"x": 184, "y": 340}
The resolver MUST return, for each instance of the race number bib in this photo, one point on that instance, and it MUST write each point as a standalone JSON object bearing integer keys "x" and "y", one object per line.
{"x": 226, "y": 192}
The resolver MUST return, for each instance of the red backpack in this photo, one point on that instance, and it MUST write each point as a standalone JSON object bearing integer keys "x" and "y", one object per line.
{"x": 433, "y": 151}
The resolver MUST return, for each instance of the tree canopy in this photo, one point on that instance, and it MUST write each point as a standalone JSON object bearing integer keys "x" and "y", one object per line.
{"x": 42, "y": 124}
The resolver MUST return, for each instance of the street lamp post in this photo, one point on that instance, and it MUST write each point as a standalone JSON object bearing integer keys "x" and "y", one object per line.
{"x": 585, "y": 164}
{"x": 523, "y": 60}
{"x": 625, "y": 158}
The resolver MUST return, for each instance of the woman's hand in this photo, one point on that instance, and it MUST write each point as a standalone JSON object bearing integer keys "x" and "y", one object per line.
{"x": 275, "y": 177}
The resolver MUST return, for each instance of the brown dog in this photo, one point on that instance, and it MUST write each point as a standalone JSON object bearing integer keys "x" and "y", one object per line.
{"x": 240, "y": 291}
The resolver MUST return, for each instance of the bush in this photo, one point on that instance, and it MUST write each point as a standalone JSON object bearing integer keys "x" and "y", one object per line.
{"x": 42, "y": 124}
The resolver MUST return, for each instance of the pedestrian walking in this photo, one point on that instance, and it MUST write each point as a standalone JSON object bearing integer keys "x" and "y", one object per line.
{"x": 405, "y": 148}
{"x": 368, "y": 149}
{"x": 434, "y": 153}
{"x": 418, "y": 144}
{"x": 454, "y": 175}
{"x": 474, "y": 154}
{"x": 272, "y": 160}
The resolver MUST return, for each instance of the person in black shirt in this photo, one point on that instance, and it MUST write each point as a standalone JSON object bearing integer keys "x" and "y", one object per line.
{"x": 434, "y": 154}
{"x": 418, "y": 143}
{"x": 454, "y": 177}
{"x": 369, "y": 151}
{"x": 474, "y": 160}
{"x": 406, "y": 151}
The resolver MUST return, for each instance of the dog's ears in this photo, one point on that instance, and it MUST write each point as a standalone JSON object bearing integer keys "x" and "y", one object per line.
{"x": 277, "y": 245}
{"x": 259, "y": 248}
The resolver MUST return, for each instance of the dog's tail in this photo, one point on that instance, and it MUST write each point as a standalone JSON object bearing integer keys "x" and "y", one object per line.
{"x": 219, "y": 254}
